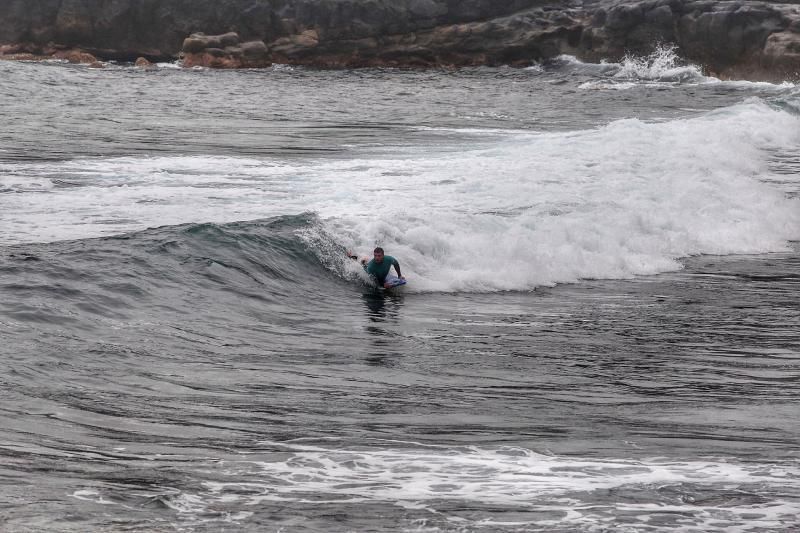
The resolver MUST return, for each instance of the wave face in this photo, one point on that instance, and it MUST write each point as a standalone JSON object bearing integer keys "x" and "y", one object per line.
{"x": 194, "y": 272}
{"x": 506, "y": 211}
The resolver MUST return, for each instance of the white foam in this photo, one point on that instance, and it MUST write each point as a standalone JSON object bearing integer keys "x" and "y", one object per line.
{"x": 519, "y": 479}
{"x": 504, "y": 488}
{"x": 281, "y": 67}
{"x": 174, "y": 65}
{"x": 185, "y": 503}
{"x": 746, "y": 84}
{"x": 610, "y": 85}
{"x": 663, "y": 64}
{"x": 627, "y": 199}
{"x": 91, "y": 495}
{"x": 572, "y": 60}
{"x": 662, "y": 67}
{"x": 510, "y": 211}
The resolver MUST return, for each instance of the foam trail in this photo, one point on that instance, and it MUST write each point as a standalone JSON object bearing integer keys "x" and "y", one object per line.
{"x": 568, "y": 488}
{"x": 541, "y": 492}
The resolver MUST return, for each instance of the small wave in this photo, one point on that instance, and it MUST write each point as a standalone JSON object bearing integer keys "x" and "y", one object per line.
{"x": 572, "y": 63}
{"x": 628, "y": 199}
{"x": 745, "y": 84}
{"x": 228, "y": 266}
{"x": 511, "y": 211}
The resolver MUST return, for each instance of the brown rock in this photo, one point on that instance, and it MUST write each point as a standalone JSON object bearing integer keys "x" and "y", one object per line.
{"x": 307, "y": 39}
{"x": 783, "y": 46}
{"x": 208, "y": 60}
{"x": 296, "y": 45}
{"x": 21, "y": 57}
{"x": 75, "y": 56}
{"x": 6, "y": 49}
{"x": 255, "y": 54}
{"x": 191, "y": 60}
{"x": 198, "y": 42}
{"x": 228, "y": 39}
{"x": 224, "y": 51}
{"x": 219, "y": 52}
{"x": 97, "y": 64}
{"x": 194, "y": 44}
{"x": 142, "y": 62}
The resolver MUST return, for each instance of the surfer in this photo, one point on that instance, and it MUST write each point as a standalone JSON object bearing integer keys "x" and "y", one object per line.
{"x": 379, "y": 267}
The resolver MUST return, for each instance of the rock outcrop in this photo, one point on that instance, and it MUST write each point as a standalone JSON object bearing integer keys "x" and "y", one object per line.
{"x": 730, "y": 37}
{"x": 143, "y": 62}
{"x": 22, "y": 52}
{"x": 224, "y": 51}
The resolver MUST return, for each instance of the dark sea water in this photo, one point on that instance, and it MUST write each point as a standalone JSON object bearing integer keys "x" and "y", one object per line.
{"x": 601, "y": 330}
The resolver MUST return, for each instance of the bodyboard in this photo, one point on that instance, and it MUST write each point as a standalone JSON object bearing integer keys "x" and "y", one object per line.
{"x": 394, "y": 282}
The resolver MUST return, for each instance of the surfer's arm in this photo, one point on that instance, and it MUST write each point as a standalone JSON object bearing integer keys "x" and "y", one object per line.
{"x": 396, "y": 265}
{"x": 354, "y": 257}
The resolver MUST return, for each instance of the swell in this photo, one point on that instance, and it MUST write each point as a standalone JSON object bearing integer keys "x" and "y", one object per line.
{"x": 180, "y": 272}
{"x": 514, "y": 212}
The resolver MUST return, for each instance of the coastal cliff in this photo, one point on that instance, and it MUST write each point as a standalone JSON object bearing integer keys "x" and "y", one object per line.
{"x": 756, "y": 40}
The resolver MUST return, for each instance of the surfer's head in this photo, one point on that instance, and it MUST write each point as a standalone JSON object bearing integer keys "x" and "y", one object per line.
{"x": 378, "y": 254}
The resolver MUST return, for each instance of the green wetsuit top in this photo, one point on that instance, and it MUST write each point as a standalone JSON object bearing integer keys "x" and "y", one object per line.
{"x": 381, "y": 270}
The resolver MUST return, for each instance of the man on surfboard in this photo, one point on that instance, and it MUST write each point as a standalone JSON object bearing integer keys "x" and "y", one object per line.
{"x": 380, "y": 266}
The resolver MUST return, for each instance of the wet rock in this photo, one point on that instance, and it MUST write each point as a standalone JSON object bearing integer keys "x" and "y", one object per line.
{"x": 24, "y": 56}
{"x": 10, "y": 49}
{"x": 623, "y": 17}
{"x": 298, "y": 45}
{"x": 194, "y": 44}
{"x": 781, "y": 57}
{"x": 198, "y": 42}
{"x": 75, "y": 56}
{"x": 427, "y": 9}
{"x": 255, "y": 54}
{"x": 142, "y": 62}
{"x": 224, "y": 51}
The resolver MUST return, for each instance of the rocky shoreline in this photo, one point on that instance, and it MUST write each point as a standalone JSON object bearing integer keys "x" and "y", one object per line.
{"x": 729, "y": 38}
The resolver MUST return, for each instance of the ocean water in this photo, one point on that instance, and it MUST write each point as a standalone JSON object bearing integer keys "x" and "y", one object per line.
{"x": 601, "y": 330}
